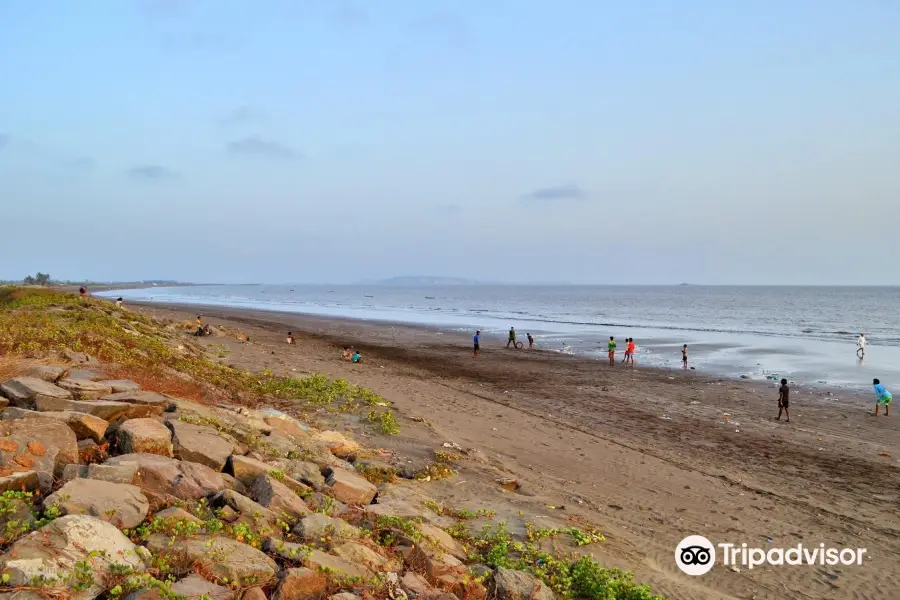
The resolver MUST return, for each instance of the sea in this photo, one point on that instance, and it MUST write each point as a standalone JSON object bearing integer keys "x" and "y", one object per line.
{"x": 805, "y": 334}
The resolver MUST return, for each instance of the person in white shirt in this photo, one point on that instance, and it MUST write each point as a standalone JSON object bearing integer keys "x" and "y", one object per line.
{"x": 861, "y": 346}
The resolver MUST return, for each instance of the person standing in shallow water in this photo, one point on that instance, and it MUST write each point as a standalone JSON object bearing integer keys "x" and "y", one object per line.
{"x": 684, "y": 356}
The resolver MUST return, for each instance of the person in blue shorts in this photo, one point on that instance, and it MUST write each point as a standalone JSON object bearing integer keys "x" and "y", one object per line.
{"x": 476, "y": 341}
{"x": 883, "y": 397}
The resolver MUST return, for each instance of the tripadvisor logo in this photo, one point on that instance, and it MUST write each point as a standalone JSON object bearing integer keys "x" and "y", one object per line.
{"x": 696, "y": 555}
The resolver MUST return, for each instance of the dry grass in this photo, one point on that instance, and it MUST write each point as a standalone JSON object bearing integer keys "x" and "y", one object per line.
{"x": 15, "y": 366}
{"x": 153, "y": 381}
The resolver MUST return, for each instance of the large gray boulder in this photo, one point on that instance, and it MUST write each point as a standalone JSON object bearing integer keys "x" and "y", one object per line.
{"x": 244, "y": 505}
{"x": 24, "y": 391}
{"x": 121, "y": 504}
{"x": 105, "y": 409}
{"x": 216, "y": 556}
{"x": 145, "y": 436}
{"x": 170, "y": 477}
{"x": 85, "y": 426}
{"x": 247, "y": 469}
{"x": 518, "y": 585}
{"x": 42, "y": 445}
{"x": 50, "y": 556}
{"x": 159, "y": 402}
{"x": 84, "y": 389}
{"x": 194, "y": 587}
{"x": 121, "y": 385}
{"x": 314, "y": 527}
{"x": 278, "y": 498}
{"x": 200, "y": 444}
{"x": 46, "y": 372}
{"x": 350, "y": 488}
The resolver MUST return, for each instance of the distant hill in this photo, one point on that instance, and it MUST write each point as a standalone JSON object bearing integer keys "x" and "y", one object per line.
{"x": 422, "y": 281}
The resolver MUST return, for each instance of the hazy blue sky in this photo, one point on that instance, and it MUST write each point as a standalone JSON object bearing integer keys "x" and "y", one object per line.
{"x": 313, "y": 140}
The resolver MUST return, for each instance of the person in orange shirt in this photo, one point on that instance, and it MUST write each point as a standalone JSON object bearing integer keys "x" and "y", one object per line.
{"x": 629, "y": 352}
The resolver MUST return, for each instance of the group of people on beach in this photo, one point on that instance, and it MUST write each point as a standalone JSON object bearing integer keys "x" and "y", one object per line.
{"x": 630, "y": 349}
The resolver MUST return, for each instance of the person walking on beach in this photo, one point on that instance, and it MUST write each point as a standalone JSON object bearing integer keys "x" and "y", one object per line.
{"x": 476, "y": 342}
{"x": 512, "y": 337}
{"x": 611, "y": 346}
{"x": 883, "y": 397}
{"x": 530, "y": 341}
{"x": 684, "y": 356}
{"x": 861, "y": 346}
{"x": 784, "y": 394}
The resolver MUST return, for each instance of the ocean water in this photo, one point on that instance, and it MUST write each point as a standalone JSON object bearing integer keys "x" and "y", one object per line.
{"x": 807, "y": 334}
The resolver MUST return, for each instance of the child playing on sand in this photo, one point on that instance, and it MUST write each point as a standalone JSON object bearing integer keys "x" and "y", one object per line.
{"x": 119, "y": 302}
{"x": 476, "y": 341}
{"x": 290, "y": 338}
{"x": 684, "y": 356}
{"x": 530, "y": 341}
{"x": 884, "y": 397}
{"x": 347, "y": 355}
{"x": 356, "y": 357}
{"x": 784, "y": 394}
{"x": 611, "y": 346}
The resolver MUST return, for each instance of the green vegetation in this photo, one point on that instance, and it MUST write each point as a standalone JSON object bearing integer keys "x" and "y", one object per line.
{"x": 568, "y": 576}
{"x": 461, "y": 514}
{"x": 37, "y": 322}
{"x": 386, "y": 422}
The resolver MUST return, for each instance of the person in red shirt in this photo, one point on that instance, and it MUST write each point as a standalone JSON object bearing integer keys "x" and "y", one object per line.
{"x": 629, "y": 353}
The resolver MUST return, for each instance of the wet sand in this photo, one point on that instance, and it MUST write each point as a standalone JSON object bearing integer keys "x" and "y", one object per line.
{"x": 649, "y": 455}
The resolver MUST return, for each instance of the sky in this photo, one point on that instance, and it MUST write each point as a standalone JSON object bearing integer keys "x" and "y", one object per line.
{"x": 332, "y": 141}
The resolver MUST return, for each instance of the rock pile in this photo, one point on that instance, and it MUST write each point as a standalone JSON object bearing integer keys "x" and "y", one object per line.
{"x": 222, "y": 501}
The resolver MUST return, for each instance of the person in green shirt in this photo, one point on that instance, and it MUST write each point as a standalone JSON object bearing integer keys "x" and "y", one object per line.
{"x": 612, "y": 351}
{"x": 512, "y": 337}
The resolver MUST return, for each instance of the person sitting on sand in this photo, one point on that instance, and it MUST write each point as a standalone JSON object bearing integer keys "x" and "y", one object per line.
{"x": 82, "y": 292}
{"x": 207, "y": 330}
{"x": 530, "y": 341}
{"x": 512, "y": 337}
{"x": 356, "y": 357}
{"x": 119, "y": 302}
{"x": 348, "y": 354}
{"x": 611, "y": 346}
{"x": 290, "y": 338}
{"x": 883, "y": 397}
{"x": 784, "y": 394}
{"x": 684, "y": 356}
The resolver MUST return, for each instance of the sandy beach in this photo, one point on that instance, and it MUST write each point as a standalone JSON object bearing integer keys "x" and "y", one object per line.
{"x": 648, "y": 455}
